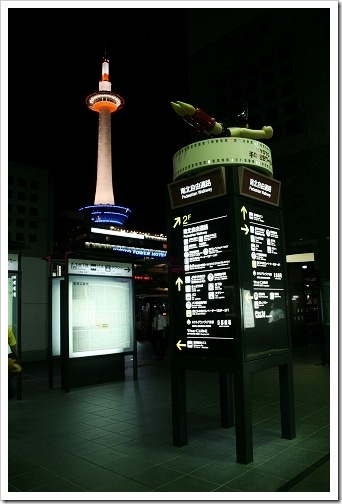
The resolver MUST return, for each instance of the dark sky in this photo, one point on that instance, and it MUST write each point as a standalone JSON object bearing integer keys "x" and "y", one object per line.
{"x": 55, "y": 58}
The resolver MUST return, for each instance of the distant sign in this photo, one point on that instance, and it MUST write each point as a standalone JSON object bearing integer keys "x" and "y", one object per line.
{"x": 13, "y": 262}
{"x": 257, "y": 186}
{"x": 102, "y": 268}
{"x": 207, "y": 185}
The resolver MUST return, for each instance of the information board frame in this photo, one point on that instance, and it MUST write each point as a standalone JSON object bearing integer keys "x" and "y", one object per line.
{"x": 98, "y": 358}
{"x": 97, "y": 324}
{"x": 14, "y": 276}
{"x": 55, "y": 296}
{"x": 101, "y": 294}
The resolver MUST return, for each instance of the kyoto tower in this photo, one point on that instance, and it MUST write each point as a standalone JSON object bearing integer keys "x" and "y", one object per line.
{"x": 105, "y": 103}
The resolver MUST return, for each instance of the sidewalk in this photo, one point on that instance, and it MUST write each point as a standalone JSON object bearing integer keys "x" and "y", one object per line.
{"x": 117, "y": 437}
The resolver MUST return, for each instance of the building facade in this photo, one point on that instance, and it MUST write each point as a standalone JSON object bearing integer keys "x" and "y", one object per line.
{"x": 30, "y": 236}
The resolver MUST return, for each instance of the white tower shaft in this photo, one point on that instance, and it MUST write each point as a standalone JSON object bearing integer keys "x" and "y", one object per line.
{"x": 105, "y": 103}
{"x": 104, "y": 194}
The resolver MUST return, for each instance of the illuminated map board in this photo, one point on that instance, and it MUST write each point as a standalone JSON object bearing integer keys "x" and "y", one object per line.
{"x": 13, "y": 262}
{"x": 100, "y": 308}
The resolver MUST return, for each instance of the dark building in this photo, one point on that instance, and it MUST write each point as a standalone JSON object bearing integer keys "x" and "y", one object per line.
{"x": 76, "y": 233}
{"x": 30, "y": 237}
{"x": 30, "y": 209}
{"x": 259, "y": 58}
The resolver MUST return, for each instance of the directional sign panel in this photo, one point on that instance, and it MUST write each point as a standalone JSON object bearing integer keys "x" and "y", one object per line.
{"x": 204, "y": 291}
{"x": 262, "y": 278}
{"x": 97, "y": 267}
{"x": 227, "y": 271}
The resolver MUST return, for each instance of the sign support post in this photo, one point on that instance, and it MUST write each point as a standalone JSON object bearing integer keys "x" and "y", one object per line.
{"x": 226, "y": 400}
{"x": 179, "y": 413}
{"x": 228, "y": 294}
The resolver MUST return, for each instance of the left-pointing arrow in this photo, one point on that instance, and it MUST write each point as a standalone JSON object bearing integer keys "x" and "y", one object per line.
{"x": 180, "y": 345}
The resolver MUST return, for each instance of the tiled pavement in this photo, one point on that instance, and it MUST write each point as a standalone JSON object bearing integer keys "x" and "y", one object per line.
{"x": 117, "y": 437}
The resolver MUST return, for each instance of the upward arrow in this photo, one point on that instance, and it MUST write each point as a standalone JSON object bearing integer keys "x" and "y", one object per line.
{"x": 179, "y": 282}
{"x": 244, "y": 211}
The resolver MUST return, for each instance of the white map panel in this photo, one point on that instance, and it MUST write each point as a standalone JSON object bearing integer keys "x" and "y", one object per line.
{"x": 100, "y": 315}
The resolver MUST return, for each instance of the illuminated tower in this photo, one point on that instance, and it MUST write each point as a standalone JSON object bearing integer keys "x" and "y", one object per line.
{"x": 105, "y": 103}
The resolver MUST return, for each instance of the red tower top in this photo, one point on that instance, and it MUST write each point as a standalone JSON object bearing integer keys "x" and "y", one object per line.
{"x": 104, "y": 99}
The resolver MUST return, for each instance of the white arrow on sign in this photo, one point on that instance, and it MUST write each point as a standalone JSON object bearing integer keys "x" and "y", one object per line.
{"x": 179, "y": 282}
{"x": 243, "y": 211}
{"x": 177, "y": 221}
{"x": 179, "y": 345}
{"x": 248, "y": 297}
{"x": 245, "y": 228}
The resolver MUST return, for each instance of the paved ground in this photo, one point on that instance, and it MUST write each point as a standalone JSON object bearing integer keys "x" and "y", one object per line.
{"x": 117, "y": 437}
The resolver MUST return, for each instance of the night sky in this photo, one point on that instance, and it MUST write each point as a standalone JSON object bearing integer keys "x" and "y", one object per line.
{"x": 54, "y": 63}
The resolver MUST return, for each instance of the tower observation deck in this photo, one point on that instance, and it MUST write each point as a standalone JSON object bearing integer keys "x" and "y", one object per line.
{"x": 105, "y": 103}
